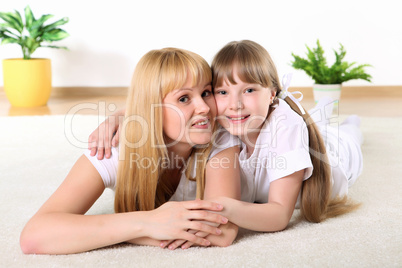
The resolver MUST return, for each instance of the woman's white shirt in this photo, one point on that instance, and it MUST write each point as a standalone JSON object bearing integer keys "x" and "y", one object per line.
{"x": 186, "y": 189}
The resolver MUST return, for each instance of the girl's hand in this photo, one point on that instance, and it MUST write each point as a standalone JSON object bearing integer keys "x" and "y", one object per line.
{"x": 229, "y": 204}
{"x": 106, "y": 135}
{"x": 172, "y": 220}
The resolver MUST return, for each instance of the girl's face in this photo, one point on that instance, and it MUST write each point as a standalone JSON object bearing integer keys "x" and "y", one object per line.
{"x": 188, "y": 114}
{"x": 242, "y": 107}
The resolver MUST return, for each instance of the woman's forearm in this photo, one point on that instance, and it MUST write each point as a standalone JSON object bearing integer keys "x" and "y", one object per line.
{"x": 145, "y": 241}
{"x": 63, "y": 233}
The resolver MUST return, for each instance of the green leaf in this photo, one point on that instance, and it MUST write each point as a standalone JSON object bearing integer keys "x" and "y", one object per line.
{"x": 29, "y": 17}
{"x": 9, "y": 40}
{"x": 39, "y": 23}
{"x": 17, "y": 15}
{"x": 34, "y": 47}
{"x": 36, "y": 29}
{"x": 29, "y": 42}
{"x": 55, "y": 35}
{"x": 57, "y": 47}
{"x": 55, "y": 24}
{"x": 5, "y": 30}
{"x": 12, "y": 20}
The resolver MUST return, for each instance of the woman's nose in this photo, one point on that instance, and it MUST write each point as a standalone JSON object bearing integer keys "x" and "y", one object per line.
{"x": 201, "y": 107}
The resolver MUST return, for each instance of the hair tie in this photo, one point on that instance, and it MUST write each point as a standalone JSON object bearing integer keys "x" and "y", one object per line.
{"x": 285, "y": 93}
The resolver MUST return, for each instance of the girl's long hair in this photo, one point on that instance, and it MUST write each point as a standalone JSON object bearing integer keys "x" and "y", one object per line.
{"x": 256, "y": 66}
{"x": 142, "y": 182}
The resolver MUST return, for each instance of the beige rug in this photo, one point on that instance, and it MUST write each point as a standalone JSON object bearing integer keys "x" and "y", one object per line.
{"x": 37, "y": 152}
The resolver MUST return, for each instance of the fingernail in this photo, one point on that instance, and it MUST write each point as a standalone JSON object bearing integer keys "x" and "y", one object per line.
{"x": 162, "y": 245}
{"x": 218, "y": 231}
{"x": 219, "y": 206}
{"x": 224, "y": 220}
{"x": 207, "y": 243}
{"x": 171, "y": 247}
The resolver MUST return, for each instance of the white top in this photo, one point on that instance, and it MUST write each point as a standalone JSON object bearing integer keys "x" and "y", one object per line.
{"x": 186, "y": 190}
{"x": 282, "y": 149}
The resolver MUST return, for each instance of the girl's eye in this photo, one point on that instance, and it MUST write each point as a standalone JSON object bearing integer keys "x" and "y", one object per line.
{"x": 206, "y": 93}
{"x": 249, "y": 90}
{"x": 183, "y": 99}
{"x": 221, "y": 92}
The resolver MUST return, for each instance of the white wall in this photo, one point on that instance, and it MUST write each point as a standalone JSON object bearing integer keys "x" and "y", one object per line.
{"x": 108, "y": 37}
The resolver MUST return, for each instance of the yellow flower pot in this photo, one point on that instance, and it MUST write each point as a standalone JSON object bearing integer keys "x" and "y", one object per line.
{"x": 27, "y": 83}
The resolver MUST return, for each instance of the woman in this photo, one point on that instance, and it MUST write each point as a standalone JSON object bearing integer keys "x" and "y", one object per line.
{"x": 171, "y": 99}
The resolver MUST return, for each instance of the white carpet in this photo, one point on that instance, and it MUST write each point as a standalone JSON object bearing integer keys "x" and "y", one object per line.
{"x": 36, "y": 154}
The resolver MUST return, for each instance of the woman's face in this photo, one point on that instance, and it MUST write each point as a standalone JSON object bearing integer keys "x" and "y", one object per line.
{"x": 188, "y": 114}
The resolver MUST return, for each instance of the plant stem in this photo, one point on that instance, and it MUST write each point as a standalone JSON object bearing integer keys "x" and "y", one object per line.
{"x": 25, "y": 52}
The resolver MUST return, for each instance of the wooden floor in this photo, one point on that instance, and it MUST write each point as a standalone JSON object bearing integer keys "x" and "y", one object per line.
{"x": 367, "y": 101}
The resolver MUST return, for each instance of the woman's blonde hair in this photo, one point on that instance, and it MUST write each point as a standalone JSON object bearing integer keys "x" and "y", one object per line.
{"x": 142, "y": 182}
{"x": 256, "y": 66}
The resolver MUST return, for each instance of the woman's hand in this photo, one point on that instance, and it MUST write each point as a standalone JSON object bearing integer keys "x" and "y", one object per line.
{"x": 222, "y": 183}
{"x": 172, "y": 220}
{"x": 184, "y": 244}
{"x": 106, "y": 135}
{"x": 226, "y": 211}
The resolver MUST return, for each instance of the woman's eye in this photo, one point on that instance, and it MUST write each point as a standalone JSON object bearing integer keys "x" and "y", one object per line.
{"x": 184, "y": 99}
{"x": 206, "y": 93}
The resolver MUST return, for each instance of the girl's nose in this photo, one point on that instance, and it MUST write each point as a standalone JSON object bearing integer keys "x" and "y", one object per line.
{"x": 236, "y": 104}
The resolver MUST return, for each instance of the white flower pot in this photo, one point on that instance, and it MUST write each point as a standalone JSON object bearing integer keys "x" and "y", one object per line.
{"x": 331, "y": 91}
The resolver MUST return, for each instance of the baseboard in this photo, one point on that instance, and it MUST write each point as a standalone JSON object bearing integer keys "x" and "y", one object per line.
{"x": 84, "y": 91}
{"x": 347, "y": 91}
{"x": 358, "y": 91}
{"x": 89, "y": 91}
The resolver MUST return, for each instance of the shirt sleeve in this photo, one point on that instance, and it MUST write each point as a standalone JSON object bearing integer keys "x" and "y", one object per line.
{"x": 107, "y": 168}
{"x": 290, "y": 148}
{"x": 223, "y": 140}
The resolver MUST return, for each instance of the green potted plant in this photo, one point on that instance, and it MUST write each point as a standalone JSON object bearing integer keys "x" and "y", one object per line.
{"x": 328, "y": 80}
{"x": 27, "y": 81}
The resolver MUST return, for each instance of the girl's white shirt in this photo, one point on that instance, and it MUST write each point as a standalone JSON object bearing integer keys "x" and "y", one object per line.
{"x": 282, "y": 148}
{"x": 186, "y": 190}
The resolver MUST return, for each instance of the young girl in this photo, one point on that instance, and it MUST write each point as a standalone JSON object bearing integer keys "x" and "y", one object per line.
{"x": 171, "y": 100}
{"x": 285, "y": 157}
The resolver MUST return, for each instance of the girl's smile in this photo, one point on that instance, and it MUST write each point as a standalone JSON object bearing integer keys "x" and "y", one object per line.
{"x": 242, "y": 106}
{"x": 235, "y": 119}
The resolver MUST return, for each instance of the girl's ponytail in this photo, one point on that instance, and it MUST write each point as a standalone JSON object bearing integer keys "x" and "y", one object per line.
{"x": 316, "y": 204}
